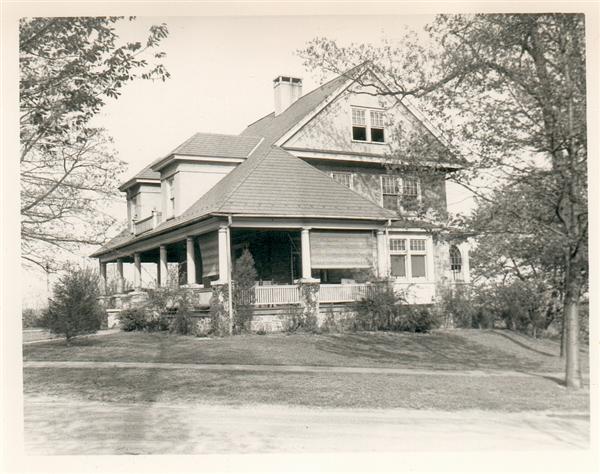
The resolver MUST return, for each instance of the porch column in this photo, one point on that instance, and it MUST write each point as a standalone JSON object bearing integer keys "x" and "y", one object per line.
{"x": 223, "y": 254}
{"x": 190, "y": 261}
{"x": 305, "y": 250}
{"x": 120, "y": 278}
{"x": 382, "y": 255}
{"x": 137, "y": 273}
{"x": 103, "y": 281}
{"x": 163, "y": 267}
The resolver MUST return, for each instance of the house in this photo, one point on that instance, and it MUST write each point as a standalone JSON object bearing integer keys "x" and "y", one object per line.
{"x": 308, "y": 190}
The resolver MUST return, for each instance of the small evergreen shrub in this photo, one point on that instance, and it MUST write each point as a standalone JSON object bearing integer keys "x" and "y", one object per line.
{"x": 244, "y": 277}
{"x": 74, "y": 308}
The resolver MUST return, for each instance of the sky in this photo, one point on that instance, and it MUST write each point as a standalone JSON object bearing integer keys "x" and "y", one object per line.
{"x": 221, "y": 80}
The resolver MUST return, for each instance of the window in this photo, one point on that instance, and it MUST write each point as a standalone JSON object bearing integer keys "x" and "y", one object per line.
{"x": 398, "y": 257}
{"x": 410, "y": 190}
{"x": 359, "y": 125}
{"x": 343, "y": 178}
{"x": 170, "y": 197}
{"x": 415, "y": 254}
{"x": 455, "y": 262}
{"x": 377, "y": 134}
{"x": 389, "y": 192}
{"x": 396, "y": 191}
{"x": 368, "y": 125}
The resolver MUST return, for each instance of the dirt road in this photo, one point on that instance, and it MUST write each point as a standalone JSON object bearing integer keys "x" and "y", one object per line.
{"x": 58, "y": 426}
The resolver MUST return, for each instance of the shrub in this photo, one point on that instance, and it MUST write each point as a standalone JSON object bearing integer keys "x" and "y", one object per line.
{"x": 244, "y": 276}
{"x": 74, "y": 308}
{"x": 378, "y": 310}
{"x": 32, "y": 318}
{"x": 134, "y": 319}
{"x": 182, "y": 324}
{"x": 416, "y": 319}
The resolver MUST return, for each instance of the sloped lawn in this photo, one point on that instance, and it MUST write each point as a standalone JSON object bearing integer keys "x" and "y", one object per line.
{"x": 442, "y": 350}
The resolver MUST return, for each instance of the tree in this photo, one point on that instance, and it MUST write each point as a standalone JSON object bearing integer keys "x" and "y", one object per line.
{"x": 74, "y": 308}
{"x": 69, "y": 67}
{"x": 510, "y": 93}
{"x": 244, "y": 278}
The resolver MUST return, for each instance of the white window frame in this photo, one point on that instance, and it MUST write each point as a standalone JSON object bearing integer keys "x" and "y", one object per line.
{"x": 170, "y": 196}
{"x": 400, "y": 188}
{"x": 368, "y": 124}
{"x": 408, "y": 252}
{"x": 344, "y": 173}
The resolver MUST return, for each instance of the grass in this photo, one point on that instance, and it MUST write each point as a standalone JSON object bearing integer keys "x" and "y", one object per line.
{"x": 442, "y": 350}
{"x": 439, "y": 392}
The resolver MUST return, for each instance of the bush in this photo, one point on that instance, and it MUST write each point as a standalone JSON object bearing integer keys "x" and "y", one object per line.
{"x": 134, "y": 319}
{"x": 32, "y": 318}
{"x": 389, "y": 311}
{"x": 74, "y": 308}
{"x": 182, "y": 324}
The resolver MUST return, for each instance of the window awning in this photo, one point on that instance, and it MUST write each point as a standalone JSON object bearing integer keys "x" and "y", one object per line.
{"x": 342, "y": 249}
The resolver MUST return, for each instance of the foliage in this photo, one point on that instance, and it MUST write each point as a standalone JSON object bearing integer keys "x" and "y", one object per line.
{"x": 219, "y": 311}
{"x": 69, "y": 67}
{"x": 293, "y": 319}
{"x": 133, "y": 319}
{"x": 386, "y": 310}
{"x": 244, "y": 277}
{"x": 31, "y": 318}
{"x": 74, "y": 308}
{"x": 509, "y": 92}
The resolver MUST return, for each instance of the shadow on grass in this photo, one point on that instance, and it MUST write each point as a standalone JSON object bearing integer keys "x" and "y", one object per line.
{"x": 521, "y": 344}
{"x": 427, "y": 351}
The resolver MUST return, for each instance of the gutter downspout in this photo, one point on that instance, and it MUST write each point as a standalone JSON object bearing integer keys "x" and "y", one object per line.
{"x": 229, "y": 283}
{"x": 387, "y": 248}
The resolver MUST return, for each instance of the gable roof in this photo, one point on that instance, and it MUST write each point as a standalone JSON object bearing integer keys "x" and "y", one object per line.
{"x": 272, "y": 127}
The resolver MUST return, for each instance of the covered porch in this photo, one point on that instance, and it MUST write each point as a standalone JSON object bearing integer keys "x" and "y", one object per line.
{"x": 343, "y": 258}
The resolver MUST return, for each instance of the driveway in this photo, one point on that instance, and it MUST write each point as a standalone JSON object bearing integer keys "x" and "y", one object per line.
{"x": 60, "y": 426}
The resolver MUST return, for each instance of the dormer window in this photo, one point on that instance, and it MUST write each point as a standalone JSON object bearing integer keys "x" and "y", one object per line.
{"x": 343, "y": 178}
{"x": 368, "y": 125}
{"x": 170, "y": 197}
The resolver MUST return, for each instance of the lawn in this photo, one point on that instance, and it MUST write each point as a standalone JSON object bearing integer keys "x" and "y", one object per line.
{"x": 441, "y": 350}
{"x": 424, "y": 392}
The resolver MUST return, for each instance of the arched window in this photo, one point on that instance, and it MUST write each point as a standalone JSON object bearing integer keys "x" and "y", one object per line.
{"x": 455, "y": 262}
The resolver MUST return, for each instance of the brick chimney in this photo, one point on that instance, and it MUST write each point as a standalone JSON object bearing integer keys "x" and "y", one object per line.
{"x": 287, "y": 90}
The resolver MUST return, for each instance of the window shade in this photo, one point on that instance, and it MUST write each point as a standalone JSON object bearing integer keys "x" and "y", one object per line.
{"x": 209, "y": 253}
{"x": 341, "y": 249}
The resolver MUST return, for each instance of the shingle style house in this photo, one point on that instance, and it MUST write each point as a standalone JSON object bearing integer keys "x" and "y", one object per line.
{"x": 306, "y": 189}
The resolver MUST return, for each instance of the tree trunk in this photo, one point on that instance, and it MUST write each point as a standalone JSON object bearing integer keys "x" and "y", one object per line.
{"x": 563, "y": 337}
{"x": 571, "y": 318}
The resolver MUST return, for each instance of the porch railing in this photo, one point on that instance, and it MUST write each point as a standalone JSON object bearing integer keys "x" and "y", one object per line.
{"x": 344, "y": 293}
{"x": 143, "y": 225}
{"x": 276, "y": 294}
{"x": 290, "y": 294}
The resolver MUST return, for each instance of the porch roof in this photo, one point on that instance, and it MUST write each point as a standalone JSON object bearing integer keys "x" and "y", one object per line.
{"x": 271, "y": 183}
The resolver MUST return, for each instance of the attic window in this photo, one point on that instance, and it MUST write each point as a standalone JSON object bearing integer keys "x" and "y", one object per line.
{"x": 368, "y": 125}
{"x": 343, "y": 178}
{"x": 359, "y": 125}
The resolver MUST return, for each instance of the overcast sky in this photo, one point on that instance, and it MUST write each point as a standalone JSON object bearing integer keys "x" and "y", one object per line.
{"x": 221, "y": 80}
